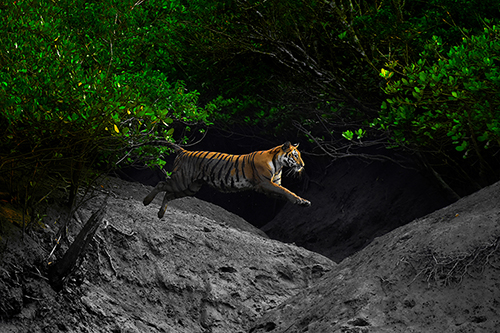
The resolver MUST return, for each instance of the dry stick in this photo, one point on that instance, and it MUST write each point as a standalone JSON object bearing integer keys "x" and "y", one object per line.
{"x": 119, "y": 231}
{"x": 110, "y": 260}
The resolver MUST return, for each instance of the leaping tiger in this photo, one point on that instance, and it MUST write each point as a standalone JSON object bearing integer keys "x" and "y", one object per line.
{"x": 260, "y": 171}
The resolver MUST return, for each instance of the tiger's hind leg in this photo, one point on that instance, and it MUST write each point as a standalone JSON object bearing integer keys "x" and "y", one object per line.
{"x": 189, "y": 191}
{"x": 158, "y": 188}
{"x": 173, "y": 191}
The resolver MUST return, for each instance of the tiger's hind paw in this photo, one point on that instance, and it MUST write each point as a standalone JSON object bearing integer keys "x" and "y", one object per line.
{"x": 146, "y": 201}
{"x": 161, "y": 212}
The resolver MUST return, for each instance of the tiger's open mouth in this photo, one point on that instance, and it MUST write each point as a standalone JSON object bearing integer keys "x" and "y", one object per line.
{"x": 296, "y": 170}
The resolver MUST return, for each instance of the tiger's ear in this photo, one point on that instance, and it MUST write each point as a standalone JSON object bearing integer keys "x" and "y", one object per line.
{"x": 296, "y": 145}
{"x": 286, "y": 146}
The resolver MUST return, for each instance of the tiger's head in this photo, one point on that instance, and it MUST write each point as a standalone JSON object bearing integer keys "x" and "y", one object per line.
{"x": 291, "y": 157}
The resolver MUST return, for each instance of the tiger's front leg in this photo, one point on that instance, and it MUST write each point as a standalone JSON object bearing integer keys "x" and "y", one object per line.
{"x": 273, "y": 188}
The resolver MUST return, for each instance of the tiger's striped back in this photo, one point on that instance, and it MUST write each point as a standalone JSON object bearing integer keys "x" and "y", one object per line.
{"x": 225, "y": 172}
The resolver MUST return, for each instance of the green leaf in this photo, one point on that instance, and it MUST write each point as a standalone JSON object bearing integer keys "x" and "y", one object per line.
{"x": 348, "y": 135}
{"x": 360, "y": 133}
{"x": 462, "y": 147}
{"x": 483, "y": 137}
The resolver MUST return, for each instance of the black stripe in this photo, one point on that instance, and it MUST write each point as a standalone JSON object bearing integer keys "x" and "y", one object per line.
{"x": 217, "y": 157}
{"x": 243, "y": 160}
{"x": 190, "y": 160}
{"x": 203, "y": 157}
{"x": 196, "y": 153}
{"x": 252, "y": 163}
{"x": 267, "y": 178}
{"x": 201, "y": 160}
{"x": 208, "y": 164}
{"x": 223, "y": 166}
{"x": 236, "y": 171}
{"x": 229, "y": 166}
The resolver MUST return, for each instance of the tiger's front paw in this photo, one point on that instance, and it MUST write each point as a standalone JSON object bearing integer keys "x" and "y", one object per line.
{"x": 303, "y": 203}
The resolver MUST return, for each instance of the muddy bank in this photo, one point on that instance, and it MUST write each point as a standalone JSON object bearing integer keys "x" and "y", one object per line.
{"x": 199, "y": 269}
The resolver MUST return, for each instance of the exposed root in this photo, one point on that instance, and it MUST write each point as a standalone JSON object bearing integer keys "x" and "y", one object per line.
{"x": 112, "y": 227}
{"x": 452, "y": 269}
{"x": 105, "y": 250}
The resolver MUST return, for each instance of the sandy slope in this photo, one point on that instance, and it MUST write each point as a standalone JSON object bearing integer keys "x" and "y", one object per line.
{"x": 200, "y": 269}
{"x": 439, "y": 273}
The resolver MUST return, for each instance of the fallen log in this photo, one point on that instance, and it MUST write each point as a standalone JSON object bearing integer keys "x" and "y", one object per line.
{"x": 62, "y": 269}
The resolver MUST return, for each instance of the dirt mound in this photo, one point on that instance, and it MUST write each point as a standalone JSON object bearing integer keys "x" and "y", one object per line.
{"x": 439, "y": 273}
{"x": 201, "y": 269}
{"x": 352, "y": 203}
